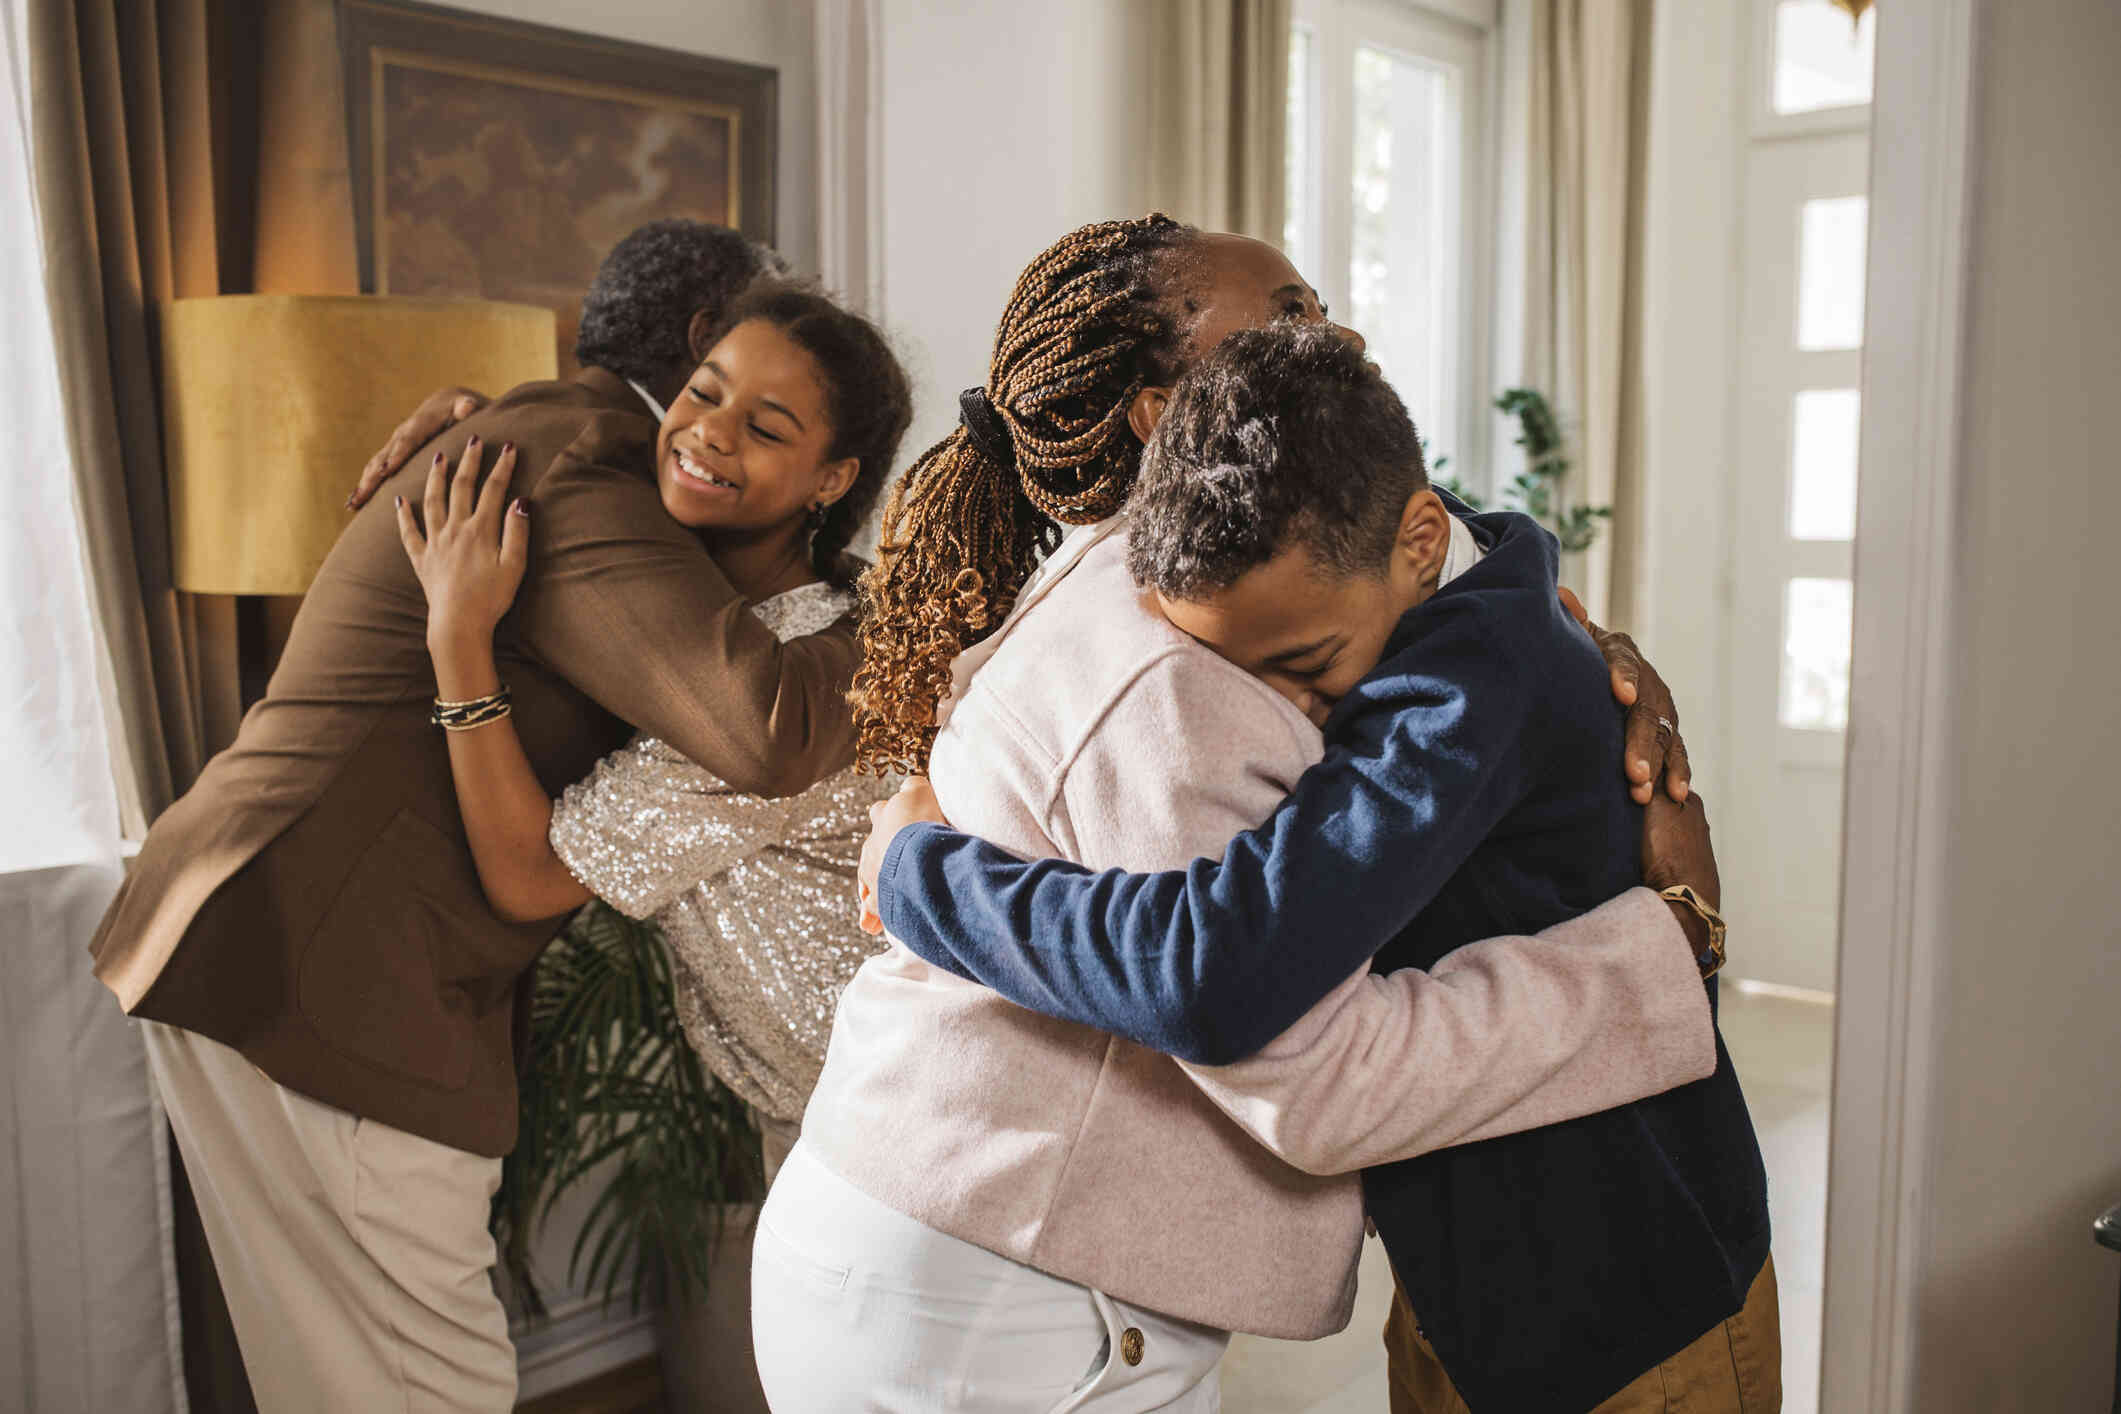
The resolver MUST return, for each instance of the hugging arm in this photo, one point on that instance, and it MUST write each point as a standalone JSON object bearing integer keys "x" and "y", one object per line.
{"x": 469, "y": 555}
{"x": 649, "y": 824}
{"x": 627, "y": 605}
{"x": 1502, "y": 1035}
{"x": 1211, "y": 963}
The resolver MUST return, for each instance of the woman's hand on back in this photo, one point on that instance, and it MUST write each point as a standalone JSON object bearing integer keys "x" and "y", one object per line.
{"x": 471, "y": 553}
{"x": 914, "y": 803}
{"x": 1676, "y": 850}
{"x": 1654, "y": 748}
{"x": 442, "y": 411}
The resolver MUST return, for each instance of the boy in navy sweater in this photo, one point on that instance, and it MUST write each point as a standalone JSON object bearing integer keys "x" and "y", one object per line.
{"x": 1284, "y": 519}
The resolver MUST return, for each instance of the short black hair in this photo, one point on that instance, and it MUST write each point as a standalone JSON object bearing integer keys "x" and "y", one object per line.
{"x": 1282, "y": 435}
{"x": 637, "y": 316}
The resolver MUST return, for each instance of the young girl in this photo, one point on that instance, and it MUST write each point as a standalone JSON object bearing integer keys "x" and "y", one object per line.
{"x": 774, "y": 453}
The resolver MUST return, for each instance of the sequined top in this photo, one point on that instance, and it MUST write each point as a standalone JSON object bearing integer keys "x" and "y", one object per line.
{"x": 755, "y": 897}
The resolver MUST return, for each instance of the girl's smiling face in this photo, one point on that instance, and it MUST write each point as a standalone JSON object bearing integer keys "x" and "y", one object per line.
{"x": 745, "y": 445}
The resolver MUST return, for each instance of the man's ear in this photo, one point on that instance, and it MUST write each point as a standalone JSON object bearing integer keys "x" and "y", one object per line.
{"x": 1147, "y": 410}
{"x": 1425, "y": 535}
{"x": 699, "y": 334}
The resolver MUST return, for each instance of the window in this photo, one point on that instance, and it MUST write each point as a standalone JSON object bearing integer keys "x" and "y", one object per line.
{"x": 1822, "y": 58}
{"x": 1387, "y": 197}
{"x": 1830, "y": 273}
{"x": 54, "y": 754}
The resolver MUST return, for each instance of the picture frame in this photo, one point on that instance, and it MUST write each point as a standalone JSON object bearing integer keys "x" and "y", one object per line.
{"x": 499, "y": 159}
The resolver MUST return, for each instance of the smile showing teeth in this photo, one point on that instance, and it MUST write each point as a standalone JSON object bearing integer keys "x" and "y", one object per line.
{"x": 701, "y": 474}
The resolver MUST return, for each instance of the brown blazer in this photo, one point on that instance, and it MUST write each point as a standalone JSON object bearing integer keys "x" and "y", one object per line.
{"x": 312, "y": 900}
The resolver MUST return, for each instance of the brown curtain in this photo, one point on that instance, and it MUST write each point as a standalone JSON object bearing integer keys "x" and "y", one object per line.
{"x": 1219, "y": 113}
{"x": 153, "y": 184}
{"x": 155, "y": 181}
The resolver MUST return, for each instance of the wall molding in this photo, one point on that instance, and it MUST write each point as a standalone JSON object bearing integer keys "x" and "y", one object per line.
{"x": 578, "y": 1340}
{"x": 1897, "y": 802}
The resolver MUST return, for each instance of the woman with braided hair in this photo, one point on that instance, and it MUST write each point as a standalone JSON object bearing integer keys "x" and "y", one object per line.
{"x": 990, "y": 1209}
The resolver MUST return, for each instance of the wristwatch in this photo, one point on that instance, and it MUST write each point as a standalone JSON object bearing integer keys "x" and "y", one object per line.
{"x": 1710, "y": 958}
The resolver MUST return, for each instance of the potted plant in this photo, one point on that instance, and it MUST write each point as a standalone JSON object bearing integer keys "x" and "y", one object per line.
{"x": 1537, "y": 489}
{"x": 610, "y": 1091}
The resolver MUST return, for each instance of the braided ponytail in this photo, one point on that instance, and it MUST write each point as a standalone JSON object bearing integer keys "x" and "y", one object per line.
{"x": 1085, "y": 330}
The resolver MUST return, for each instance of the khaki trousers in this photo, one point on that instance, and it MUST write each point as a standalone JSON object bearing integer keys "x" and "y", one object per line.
{"x": 354, "y": 1256}
{"x": 1736, "y": 1368}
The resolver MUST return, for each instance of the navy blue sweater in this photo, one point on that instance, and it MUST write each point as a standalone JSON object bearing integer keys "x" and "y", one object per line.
{"x": 1470, "y": 787}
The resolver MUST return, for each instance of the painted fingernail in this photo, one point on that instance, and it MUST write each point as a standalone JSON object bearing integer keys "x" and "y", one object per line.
{"x": 474, "y": 440}
{"x": 508, "y": 447}
{"x": 519, "y": 508}
{"x": 398, "y": 501}
{"x": 439, "y": 458}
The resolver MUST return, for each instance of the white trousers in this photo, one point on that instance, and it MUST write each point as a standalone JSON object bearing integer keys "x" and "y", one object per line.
{"x": 856, "y": 1307}
{"x": 354, "y": 1256}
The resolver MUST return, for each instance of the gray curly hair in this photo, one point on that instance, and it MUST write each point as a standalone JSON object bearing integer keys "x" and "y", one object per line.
{"x": 637, "y": 316}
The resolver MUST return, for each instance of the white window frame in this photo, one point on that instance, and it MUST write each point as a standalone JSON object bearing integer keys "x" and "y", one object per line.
{"x": 1461, "y": 34}
{"x": 1765, "y": 121}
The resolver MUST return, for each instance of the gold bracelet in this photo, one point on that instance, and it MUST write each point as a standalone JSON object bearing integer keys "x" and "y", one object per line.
{"x": 1710, "y": 959}
{"x": 475, "y": 712}
{"x": 487, "y": 718}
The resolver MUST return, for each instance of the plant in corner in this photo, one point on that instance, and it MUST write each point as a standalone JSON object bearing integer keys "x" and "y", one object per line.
{"x": 608, "y": 1076}
{"x": 1537, "y": 489}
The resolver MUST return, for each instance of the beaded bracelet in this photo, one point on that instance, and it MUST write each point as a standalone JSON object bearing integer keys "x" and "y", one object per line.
{"x": 463, "y": 716}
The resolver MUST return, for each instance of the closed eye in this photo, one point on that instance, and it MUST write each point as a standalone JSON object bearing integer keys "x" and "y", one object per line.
{"x": 764, "y": 436}
{"x": 704, "y": 395}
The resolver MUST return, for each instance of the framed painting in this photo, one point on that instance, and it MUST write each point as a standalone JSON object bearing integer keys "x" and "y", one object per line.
{"x": 501, "y": 160}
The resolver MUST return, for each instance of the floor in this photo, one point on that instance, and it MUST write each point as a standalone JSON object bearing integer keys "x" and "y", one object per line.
{"x": 633, "y": 1388}
{"x": 1783, "y": 1050}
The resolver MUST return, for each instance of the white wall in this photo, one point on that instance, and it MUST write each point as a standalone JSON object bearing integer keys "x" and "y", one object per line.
{"x": 1006, "y": 124}
{"x": 2016, "y": 1308}
{"x": 776, "y": 33}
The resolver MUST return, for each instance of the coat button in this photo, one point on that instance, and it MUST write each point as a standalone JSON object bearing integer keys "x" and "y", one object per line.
{"x": 1130, "y": 1345}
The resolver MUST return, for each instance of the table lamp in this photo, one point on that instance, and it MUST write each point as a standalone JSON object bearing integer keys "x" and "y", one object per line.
{"x": 271, "y": 404}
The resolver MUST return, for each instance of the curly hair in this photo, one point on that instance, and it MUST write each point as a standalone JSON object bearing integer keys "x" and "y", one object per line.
{"x": 868, "y": 401}
{"x": 1281, "y": 436}
{"x": 1093, "y": 320}
{"x": 637, "y": 316}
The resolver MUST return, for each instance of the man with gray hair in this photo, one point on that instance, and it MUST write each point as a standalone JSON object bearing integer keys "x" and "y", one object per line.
{"x": 330, "y": 1000}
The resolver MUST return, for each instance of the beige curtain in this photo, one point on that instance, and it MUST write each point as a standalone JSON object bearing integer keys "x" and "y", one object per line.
{"x": 1219, "y": 86}
{"x": 1589, "y": 97}
{"x": 154, "y": 182}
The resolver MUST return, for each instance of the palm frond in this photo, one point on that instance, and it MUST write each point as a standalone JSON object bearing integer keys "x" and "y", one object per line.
{"x": 611, "y": 1090}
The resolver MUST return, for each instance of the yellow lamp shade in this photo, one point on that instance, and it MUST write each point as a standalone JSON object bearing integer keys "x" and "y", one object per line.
{"x": 272, "y": 403}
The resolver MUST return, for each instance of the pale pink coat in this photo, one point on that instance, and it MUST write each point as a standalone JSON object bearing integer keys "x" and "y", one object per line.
{"x": 1089, "y": 728}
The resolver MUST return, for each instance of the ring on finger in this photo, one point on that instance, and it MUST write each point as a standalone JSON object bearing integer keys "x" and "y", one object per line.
{"x": 1665, "y": 725}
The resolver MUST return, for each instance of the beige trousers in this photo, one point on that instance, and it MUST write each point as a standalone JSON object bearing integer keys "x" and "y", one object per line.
{"x": 354, "y": 1256}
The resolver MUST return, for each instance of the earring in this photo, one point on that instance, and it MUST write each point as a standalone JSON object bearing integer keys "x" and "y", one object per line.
{"x": 814, "y": 518}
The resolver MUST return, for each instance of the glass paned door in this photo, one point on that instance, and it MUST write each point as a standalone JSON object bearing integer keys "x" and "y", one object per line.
{"x": 1822, "y": 58}
{"x": 1800, "y": 412}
